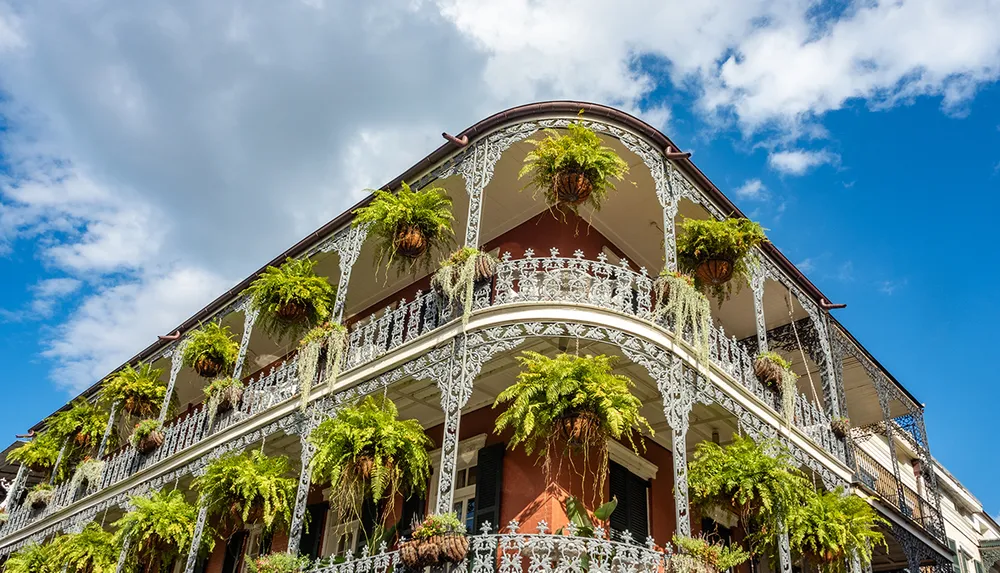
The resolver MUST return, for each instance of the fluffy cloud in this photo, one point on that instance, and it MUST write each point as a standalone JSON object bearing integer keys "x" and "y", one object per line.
{"x": 159, "y": 151}
{"x": 798, "y": 162}
{"x": 752, "y": 190}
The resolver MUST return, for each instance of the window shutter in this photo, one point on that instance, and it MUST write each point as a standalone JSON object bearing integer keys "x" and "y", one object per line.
{"x": 979, "y": 566}
{"x": 413, "y": 508}
{"x": 234, "y": 550}
{"x": 310, "y": 541}
{"x": 489, "y": 486}
{"x": 618, "y": 486}
{"x": 369, "y": 517}
{"x": 632, "y": 512}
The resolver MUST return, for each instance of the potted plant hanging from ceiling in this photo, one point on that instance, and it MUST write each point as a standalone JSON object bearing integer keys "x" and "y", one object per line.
{"x": 88, "y": 471}
{"x": 678, "y": 299}
{"x": 93, "y": 550}
{"x": 222, "y": 395}
{"x": 40, "y": 495}
{"x": 246, "y": 488}
{"x": 831, "y": 528}
{"x": 211, "y": 350}
{"x": 291, "y": 298}
{"x": 574, "y": 168}
{"x": 775, "y": 372}
{"x": 437, "y": 540}
{"x": 147, "y": 436}
{"x": 370, "y": 454}
{"x": 703, "y": 555}
{"x": 139, "y": 393}
{"x": 716, "y": 252}
{"x": 459, "y": 273}
{"x": 83, "y": 424}
{"x": 40, "y": 454}
{"x": 571, "y": 404}
{"x": 160, "y": 530}
{"x": 757, "y": 482}
{"x": 329, "y": 338}
{"x": 33, "y": 558}
{"x": 409, "y": 225}
{"x": 840, "y": 426}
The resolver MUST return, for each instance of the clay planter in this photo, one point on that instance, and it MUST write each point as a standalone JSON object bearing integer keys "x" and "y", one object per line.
{"x": 571, "y": 187}
{"x": 715, "y": 271}
{"x": 433, "y": 551}
{"x": 228, "y": 399}
{"x": 410, "y": 242}
{"x": 578, "y": 429}
{"x": 150, "y": 442}
{"x": 840, "y": 428}
{"x": 207, "y": 366}
{"x": 768, "y": 372}
{"x": 292, "y": 311}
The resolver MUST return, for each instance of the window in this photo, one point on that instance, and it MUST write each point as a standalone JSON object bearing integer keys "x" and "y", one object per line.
{"x": 979, "y": 566}
{"x": 312, "y": 534}
{"x": 466, "y": 479}
{"x": 464, "y": 504}
{"x": 632, "y": 512}
{"x": 956, "y": 560}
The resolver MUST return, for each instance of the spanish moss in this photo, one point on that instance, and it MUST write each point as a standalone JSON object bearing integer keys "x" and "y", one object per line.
{"x": 678, "y": 298}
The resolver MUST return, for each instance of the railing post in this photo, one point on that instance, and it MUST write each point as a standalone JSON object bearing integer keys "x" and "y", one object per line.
{"x": 199, "y": 530}
{"x": 176, "y": 360}
{"x": 301, "y": 494}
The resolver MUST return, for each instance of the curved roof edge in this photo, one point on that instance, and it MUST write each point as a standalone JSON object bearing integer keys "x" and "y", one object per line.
{"x": 480, "y": 128}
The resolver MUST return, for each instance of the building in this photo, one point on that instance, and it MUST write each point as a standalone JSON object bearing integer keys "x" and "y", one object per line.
{"x": 575, "y": 284}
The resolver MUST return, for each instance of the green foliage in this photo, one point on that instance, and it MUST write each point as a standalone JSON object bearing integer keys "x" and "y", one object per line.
{"x": 215, "y": 342}
{"x": 40, "y": 453}
{"x": 730, "y": 239}
{"x": 789, "y": 387}
{"x": 776, "y": 358}
{"x": 83, "y": 423}
{"x": 93, "y": 550}
{"x": 42, "y": 492}
{"x": 321, "y": 333}
{"x": 143, "y": 429}
{"x": 160, "y": 528}
{"x": 334, "y": 337}
{"x": 678, "y": 298}
{"x": 89, "y": 471}
{"x": 294, "y": 282}
{"x": 831, "y": 527}
{"x": 548, "y": 389}
{"x": 278, "y": 563}
{"x": 579, "y": 150}
{"x": 371, "y": 430}
{"x": 214, "y": 388}
{"x": 238, "y": 485}
{"x": 759, "y": 482}
{"x": 33, "y": 558}
{"x": 578, "y": 515}
{"x": 715, "y": 556}
{"x": 457, "y": 276}
{"x": 140, "y": 393}
{"x": 439, "y": 524}
{"x": 428, "y": 210}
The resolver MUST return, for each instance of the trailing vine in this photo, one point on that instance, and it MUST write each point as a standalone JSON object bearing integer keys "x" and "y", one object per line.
{"x": 88, "y": 471}
{"x": 226, "y": 390}
{"x": 458, "y": 274}
{"x": 678, "y": 298}
{"x": 332, "y": 337}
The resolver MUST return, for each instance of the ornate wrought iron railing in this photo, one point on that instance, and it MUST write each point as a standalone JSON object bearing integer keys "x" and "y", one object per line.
{"x": 514, "y": 552}
{"x": 881, "y": 481}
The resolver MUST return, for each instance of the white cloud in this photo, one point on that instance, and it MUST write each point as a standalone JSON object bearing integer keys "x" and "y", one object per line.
{"x": 752, "y": 190}
{"x": 49, "y": 292}
{"x": 891, "y": 286}
{"x": 798, "y": 162}
{"x": 806, "y": 265}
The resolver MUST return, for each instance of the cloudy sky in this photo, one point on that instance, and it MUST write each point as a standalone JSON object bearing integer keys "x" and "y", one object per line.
{"x": 154, "y": 153}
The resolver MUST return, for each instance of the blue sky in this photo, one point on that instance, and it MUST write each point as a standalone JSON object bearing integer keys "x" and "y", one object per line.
{"x": 154, "y": 154}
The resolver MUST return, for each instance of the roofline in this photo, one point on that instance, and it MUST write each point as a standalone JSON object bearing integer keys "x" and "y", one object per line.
{"x": 478, "y": 129}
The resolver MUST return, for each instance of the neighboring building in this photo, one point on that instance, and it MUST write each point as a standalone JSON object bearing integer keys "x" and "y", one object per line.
{"x": 561, "y": 286}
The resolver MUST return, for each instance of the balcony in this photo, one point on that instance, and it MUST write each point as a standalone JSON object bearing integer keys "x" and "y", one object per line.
{"x": 878, "y": 480}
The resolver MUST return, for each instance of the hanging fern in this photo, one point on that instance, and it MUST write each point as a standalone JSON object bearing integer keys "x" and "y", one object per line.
{"x": 291, "y": 298}
{"x": 139, "y": 392}
{"x": 89, "y": 471}
{"x": 333, "y": 337}
{"x": 458, "y": 273}
{"x": 83, "y": 423}
{"x": 370, "y": 439}
{"x": 731, "y": 239}
{"x": 33, "y": 558}
{"x": 831, "y": 528}
{"x": 91, "y": 551}
{"x": 428, "y": 210}
{"x": 221, "y": 390}
{"x": 249, "y": 487}
{"x": 679, "y": 299}
{"x": 758, "y": 482}
{"x": 212, "y": 342}
{"x": 160, "y": 529}
{"x": 40, "y": 454}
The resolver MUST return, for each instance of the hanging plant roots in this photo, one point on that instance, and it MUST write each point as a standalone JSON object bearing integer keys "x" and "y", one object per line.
{"x": 579, "y": 429}
{"x": 150, "y": 442}
{"x": 207, "y": 367}
{"x": 572, "y": 187}
{"x": 715, "y": 272}
{"x": 433, "y": 551}
{"x": 410, "y": 242}
{"x": 229, "y": 397}
{"x": 768, "y": 373}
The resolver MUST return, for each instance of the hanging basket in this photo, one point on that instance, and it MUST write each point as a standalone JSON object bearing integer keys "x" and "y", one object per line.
{"x": 150, "y": 442}
{"x": 767, "y": 372}
{"x": 229, "y": 397}
{"x": 578, "y": 429}
{"x": 434, "y": 551}
{"x": 39, "y": 504}
{"x": 292, "y": 311}
{"x": 571, "y": 187}
{"x": 363, "y": 466}
{"x": 207, "y": 366}
{"x": 410, "y": 242}
{"x": 715, "y": 272}
{"x": 840, "y": 427}
{"x": 684, "y": 563}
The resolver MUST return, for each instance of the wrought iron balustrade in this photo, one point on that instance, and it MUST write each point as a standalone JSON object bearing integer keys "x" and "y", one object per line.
{"x": 875, "y": 477}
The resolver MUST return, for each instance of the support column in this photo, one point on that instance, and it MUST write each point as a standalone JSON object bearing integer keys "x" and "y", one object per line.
{"x": 199, "y": 529}
{"x": 677, "y": 388}
{"x": 784, "y": 551}
{"x": 757, "y": 284}
{"x": 176, "y": 360}
{"x": 451, "y": 403}
{"x": 107, "y": 430}
{"x": 59, "y": 458}
{"x": 881, "y": 388}
{"x": 348, "y": 248}
{"x": 249, "y": 318}
{"x": 301, "y": 496}
{"x": 15, "y": 488}
{"x": 123, "y": 555}
{"x": 475, "y": 182}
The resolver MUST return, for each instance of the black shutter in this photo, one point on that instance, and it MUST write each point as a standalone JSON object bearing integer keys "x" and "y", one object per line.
{"x": 413, "y": 509}
{"x": 369, "y": 518}
{"x": 310, "y": 541}
{"x": 489, "y": 485}
{"x": 632, "y": 511}
{"x": 234, "y": 550}
{"x": 201, "y": 564}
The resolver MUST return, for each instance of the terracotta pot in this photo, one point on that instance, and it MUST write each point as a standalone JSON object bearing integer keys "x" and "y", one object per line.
{"x": 82, "y": 440}
{"x": 410, "y": 242}
{"x": 840, "y": 428}
{"x": 572, "y": 187}
{"x": 207, "y": 366}
{"x": 293, "y": 311}
{"x": 578, "y": 429}
{"x": 228, "y": 399}
{"x": 715, "y": 271}
{"x": 150, "y": 442}
{"x": 768, "y": 372}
